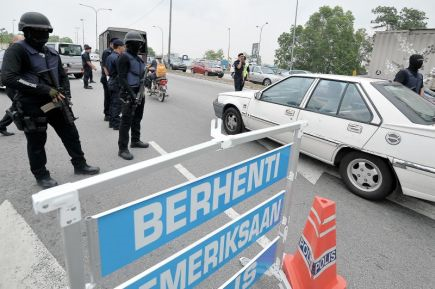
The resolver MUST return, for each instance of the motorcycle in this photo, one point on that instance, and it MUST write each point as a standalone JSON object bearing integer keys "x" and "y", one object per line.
{"x": 159, "y": 88}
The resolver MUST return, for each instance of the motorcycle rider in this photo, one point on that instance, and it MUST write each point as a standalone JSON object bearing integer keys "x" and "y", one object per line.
{"x": 36, "y": 72}
{"x": 131, "y": 70}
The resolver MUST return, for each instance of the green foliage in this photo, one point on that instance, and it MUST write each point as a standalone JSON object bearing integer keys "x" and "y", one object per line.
{"x": 53, "y": 38}
{"x": 66, "y": 40}
{"x": 327, "y": 44}
{"x": 151, "y": 52}
{"x": 408, "y": 18}
{"x": 5, "y": 37}
{"x": 214, "y": 55}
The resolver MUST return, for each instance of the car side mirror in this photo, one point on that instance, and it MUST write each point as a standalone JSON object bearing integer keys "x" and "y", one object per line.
{"x": 257, "y": 95}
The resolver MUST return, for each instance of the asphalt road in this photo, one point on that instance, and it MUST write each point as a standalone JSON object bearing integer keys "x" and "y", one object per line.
{"x": 379, "y": 245}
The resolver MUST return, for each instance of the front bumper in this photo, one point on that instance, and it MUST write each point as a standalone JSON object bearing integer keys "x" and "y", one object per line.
{"x": 218, "y": 108}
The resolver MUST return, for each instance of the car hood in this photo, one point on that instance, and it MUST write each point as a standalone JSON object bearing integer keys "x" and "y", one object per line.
{"x": 243, "y": 94}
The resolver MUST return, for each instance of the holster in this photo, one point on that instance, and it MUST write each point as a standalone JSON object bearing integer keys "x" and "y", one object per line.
{"x": 17, "y": 118}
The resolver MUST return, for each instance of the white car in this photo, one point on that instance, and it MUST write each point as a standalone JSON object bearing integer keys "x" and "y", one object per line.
{"x": 263, "y": 75}
{"x": 379, "y": 133}
{"x": 94, "y": 57}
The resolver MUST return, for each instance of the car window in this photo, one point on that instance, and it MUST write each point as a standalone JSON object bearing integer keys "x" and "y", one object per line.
{"x": 416, "y": 108}
{"x": 288, "y": 92}
{"x": 326, "y": 96}
{"x": 70, "y": 49}
{"x": 353, "y": 106}
{"x": 267, "y": 70}
{"x": 257, "y": 69}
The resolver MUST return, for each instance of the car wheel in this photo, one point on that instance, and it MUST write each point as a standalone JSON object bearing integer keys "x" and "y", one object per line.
{"x": 220, "y": 75}
{"x": 206, "y": 73}
{"x": 233, "y": 123}
{"x": 184, "y": 70}
{"x": 367, "y": 176}
{"x": 78, "y": 75}
{"x": 267, "y": 82}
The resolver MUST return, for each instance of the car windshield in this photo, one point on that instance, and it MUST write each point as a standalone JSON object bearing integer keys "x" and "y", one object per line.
{"x": 413, "y": 106}
{"x": 267, "y": 70}
{"x": 70, "y": 49}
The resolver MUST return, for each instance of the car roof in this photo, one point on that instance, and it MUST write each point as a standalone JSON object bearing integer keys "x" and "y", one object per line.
{"x": 342, "y": 77}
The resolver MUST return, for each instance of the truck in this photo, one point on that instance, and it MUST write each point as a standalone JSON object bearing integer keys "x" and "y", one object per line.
{"x": 117, "y": 32}
{"x": 392, "y": 49}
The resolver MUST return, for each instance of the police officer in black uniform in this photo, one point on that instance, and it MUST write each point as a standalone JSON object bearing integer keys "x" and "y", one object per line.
{"x": 131, "y": 70}
{"x": 36, "y": 72}
{"x": 104, "y": 79}
{"x": 410, "y": 77}
{"x": 87, "y": 67}
{"x": 111, "y": 69}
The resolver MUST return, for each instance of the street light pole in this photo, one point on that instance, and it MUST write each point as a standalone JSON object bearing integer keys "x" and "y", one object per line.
{"x": 259, "y": 42}
{"x": 229, "y": 43}
{"x": 161, "y": 30}
{"x": 294, "y": 36}
{"x": 83, "y": 31}
{"x": 77, "y": 34}
{"x": 96, "y": 20}
{"x": 170, "y": 32}
{"x": 13, "y": 26}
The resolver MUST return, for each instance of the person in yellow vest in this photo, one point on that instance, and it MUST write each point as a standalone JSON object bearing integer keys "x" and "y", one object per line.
{"x": 245, "y": 72}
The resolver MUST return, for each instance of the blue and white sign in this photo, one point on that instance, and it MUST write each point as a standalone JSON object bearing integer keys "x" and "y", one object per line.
{"x": 195, "y": 263}
{"x": 129, "y": 232}
{"x": 253, "y": 271}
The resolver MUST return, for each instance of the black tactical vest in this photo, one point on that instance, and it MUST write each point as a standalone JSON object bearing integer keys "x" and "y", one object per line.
{"x": 137, "y": 69}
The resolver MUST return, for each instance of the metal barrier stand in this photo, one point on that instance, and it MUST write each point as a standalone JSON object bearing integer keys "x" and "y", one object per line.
{"x": 65, "y": 198}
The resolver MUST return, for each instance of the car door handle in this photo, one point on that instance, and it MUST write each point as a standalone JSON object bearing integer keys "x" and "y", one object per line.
{"x": 289, "y": 112}
{"x": 354, "y": 128}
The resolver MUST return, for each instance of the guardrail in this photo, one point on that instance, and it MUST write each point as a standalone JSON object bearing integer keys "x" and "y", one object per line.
{"x": 151, "y": 222}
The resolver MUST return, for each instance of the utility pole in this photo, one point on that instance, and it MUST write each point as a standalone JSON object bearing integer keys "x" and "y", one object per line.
{"x": 83, "y": 31}
{"x": 13, "y": 26}
{"x": 77, "y": 34}
{"x": 170, "y": 31}
{"x": 161, "y": 30}
{"x": 229, "y": 43}
{"x": 294, "y": 36}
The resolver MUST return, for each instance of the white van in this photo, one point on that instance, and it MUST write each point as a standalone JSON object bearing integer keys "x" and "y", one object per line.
{"x": 71, "y": 56}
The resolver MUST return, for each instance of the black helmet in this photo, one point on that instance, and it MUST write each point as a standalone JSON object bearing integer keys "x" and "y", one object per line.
{"x": 133, "y": 36}
{"x": 34, "y": 20}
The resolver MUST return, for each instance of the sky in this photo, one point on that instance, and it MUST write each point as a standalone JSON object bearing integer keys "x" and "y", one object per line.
{"x": 197, "y": 25}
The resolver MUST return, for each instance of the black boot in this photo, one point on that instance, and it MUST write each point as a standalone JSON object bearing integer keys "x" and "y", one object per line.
{"x": 139, "y": 144}
{"x": 4, "y": 132}
{"x": 86, "y": 170}
{"x": 46, "y": 182}
{"x": 125, "y": 154}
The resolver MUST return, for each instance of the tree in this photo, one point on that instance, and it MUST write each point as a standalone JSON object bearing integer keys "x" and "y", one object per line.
{"x": 408, "y": 18}
{"x": 66, "y": 40}
{"x": 151, "y": 52}
{"x": 214, "y": 55}
{"x": 327, "y": 44}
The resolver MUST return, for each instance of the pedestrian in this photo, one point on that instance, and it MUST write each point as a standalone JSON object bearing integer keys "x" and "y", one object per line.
{"x": 239, "y": 65}
{"x": 111, "y": 70}
{"x": 410, "y": 77}
{"x": 105, "y": 77}
{"x": 87, "y": 66}
{"x": 36, "y": 72}
{"x": 10, "y": 92}
{"x": 131, "y": 70}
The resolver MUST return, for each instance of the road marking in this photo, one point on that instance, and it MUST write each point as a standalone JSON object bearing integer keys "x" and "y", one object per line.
{"x": 26, "y": 262}
{"x": 263, "y": 241}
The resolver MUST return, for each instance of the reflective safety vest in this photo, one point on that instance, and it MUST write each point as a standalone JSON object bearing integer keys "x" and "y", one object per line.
{"x": 41, "y": 63}
{"x": 245, "y": 70}
{"x": 137, "y": 70}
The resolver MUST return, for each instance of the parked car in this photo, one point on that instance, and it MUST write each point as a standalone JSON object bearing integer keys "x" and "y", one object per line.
{"x": 263, "y": 75}
{"x": 2, "y": 53}
{"x": 379, "y": 133}
{"x": 178, "y": 65}
{"x": 94, "y": 57}
{"x": 71, "y": 56}
{"x": 291, "y": 72}
{"x": 207, "y": 68}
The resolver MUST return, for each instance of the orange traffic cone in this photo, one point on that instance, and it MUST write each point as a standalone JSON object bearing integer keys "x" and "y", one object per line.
{"x": 313, "y": 266}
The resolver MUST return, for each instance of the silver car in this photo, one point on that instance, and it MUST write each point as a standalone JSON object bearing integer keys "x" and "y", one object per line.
{"x": 263, "y": 75}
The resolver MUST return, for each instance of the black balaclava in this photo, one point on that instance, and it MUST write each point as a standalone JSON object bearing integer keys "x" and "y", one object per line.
{"x": 415, "y": 62}
{"x": 36, "y": 38}
{"x": 133, "y": 47}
